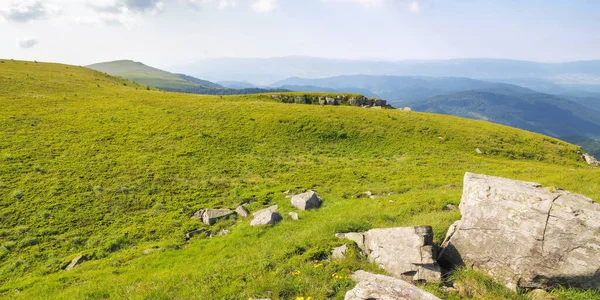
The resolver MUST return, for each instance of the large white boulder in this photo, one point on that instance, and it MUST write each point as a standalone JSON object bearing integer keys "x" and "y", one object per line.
{"x": 525, "y": 235}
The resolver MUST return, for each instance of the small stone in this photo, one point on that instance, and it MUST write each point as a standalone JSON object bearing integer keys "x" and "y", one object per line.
{"x": 198, "y": 215}
{"x": 210, "y": 216}
{"x": 373, "y": 286}
{"x": 339, "y": 253}
{"x": 77, "y": 260}
{"x": 306, "y": 201}
{"x": 293, "y": 216}
{"x": 223, "y": 232}
{"x": 242, "y": 211}
{"x": 148, "y": 251}
{"x": 407, "y": 109}
{"x": 478, "y": 151}
{"x": 266, "y": 216}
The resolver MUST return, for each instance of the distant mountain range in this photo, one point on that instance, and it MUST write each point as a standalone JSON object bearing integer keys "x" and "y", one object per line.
{"x": 554, "y": 78}
{"x": 146, "y": 75}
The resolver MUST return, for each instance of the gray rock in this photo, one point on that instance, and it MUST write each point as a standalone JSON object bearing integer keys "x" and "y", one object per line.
{"x": 242, "y": 211}
{"x": 331, "y": 101}
{"x": 300, "y": 100}
{"x": 76, "y": 261}
{"x": 198, "y": 215}
{"x": 357, "y": 237}
{"x": 266, "y": 216}
{"x": 306, "y": 201}
{"x": 380, "y": 287}
{"x": 526, "y": 236}
{"x": 590, "y": 160}
{"x": 293, "y": 216}
{"x": 322, "y": 101}
{"x": 148, "y": 251}
{"x": 223, "y": 232}
{"x": 369, "y": 102}
{"x": 405, "y": 252}
{"x": 478, "y": 151}
{"x": 407, "y": 109}
{"x": 354, "y": 102}
{"x": 380, "y": 102}
{"x": 339, "y": 253}
{"x": 539, "y": 294}
{"x": 210, "y": 216}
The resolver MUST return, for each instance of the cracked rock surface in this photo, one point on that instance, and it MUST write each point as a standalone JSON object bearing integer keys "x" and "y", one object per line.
{"x": 525, "y": 235}
{"x": 405, "y": 252}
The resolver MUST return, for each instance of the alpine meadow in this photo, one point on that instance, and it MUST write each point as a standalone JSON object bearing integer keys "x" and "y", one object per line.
{"x": 96, "y": 165}
{"x": 299, "y": 150}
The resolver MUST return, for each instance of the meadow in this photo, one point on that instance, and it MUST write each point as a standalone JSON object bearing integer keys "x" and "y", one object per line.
{"x": 97, "y": 165}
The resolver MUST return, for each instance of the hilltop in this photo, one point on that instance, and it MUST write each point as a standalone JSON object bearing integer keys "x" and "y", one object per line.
{"x": 94, "y": 164}
{"x": 146, "y": 75}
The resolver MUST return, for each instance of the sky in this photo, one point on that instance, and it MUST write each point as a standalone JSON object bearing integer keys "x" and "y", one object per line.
{"x": 166, "y": 33}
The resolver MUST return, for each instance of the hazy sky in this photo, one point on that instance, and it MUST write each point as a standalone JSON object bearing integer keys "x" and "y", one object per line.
{"x": 166, "y": 33}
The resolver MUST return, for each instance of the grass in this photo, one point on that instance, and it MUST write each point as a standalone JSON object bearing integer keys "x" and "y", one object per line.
{"x": 92, "y": 164}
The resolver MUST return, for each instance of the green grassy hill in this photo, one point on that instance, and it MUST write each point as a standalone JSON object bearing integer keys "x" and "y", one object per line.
{"x": 142, "y": 74}
{"x": 92, "y": 164}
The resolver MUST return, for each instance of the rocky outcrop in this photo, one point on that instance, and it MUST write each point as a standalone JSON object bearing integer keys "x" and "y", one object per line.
{"x": 590, "y": 160}
{"x": 266, "y": 216}
{"x": 524, "y": 235}
{"x": 372, "y": 286}
{"x": 306, "y": 201}
{"x": 77, "y": 260}
{"x": 406, "y": 252}
{"x": 198, "y": 215}
{"x": 210, "y": 216}
{"x": 242, "y": 211}
{"x": 337, "y": 100}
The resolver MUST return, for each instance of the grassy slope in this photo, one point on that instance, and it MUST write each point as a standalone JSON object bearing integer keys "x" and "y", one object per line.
{"x": 92, "y": 164}
{"x": 140, "y": 73}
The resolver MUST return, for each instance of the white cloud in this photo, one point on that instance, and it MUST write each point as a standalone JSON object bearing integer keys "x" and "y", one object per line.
{"x": 415, "y": 6}
{"x": 26, "y": 10}
{"x": 27, "y": 43}
{"x": 264, "y": 6}
{"x": 365, "y": 3}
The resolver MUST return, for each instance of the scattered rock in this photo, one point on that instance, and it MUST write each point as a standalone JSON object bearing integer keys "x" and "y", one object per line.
{"x": 372, "y": 286}
{"x": 300, "y": 100}
{"x": 76, "y": 261}
{"x": 406, "y": 252}
{"x": 539, "y": 294}
{"x": 339, "y": 253}
{"x": 407, "y": 109}
{"x": 331, "y": 101}
{"x": 198, "y": 215}
{"x": 478, "y": 151}
{"x": 266, "y": 216}
{"x": 223, "y": 232}
{"x": 293, "y": 216}
{"x": 242, "y": 211}
{"x": 200, "y": 231}
{"x": 287, "y": 192}
{"x": 590, "y": 160}
{"x": 357, "y": 237}
{"x": 524, "y": 235}
{"x": 322, "y": 101}
{"x": 210, "y": 216}
{"x": 148, "y": 251}
{"x": 306, "y": 201}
